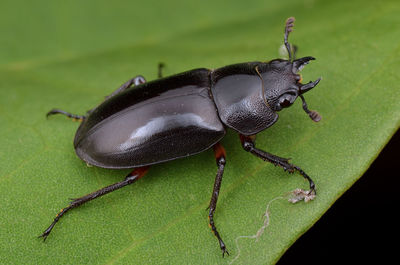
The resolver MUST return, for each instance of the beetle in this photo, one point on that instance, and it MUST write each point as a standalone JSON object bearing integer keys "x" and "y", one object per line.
{"x": 145, "y": 123}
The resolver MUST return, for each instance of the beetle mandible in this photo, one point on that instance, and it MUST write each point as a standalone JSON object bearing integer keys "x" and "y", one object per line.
{"x": 144, "y": 123}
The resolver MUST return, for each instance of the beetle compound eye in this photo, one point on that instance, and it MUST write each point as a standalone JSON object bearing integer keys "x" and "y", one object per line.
{"x": 287, "y": 99}
{"x": 284, "y": 103}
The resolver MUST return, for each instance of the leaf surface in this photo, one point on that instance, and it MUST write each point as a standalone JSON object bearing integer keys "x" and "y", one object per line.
{"x": 70, "y": 55}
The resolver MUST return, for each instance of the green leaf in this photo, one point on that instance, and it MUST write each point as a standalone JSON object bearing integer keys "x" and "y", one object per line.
{"x": 71, "y": 54}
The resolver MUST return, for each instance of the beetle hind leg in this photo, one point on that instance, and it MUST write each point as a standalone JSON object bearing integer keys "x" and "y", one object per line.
{"x": 129, "y": 179}
{"x": 219, "y": 152}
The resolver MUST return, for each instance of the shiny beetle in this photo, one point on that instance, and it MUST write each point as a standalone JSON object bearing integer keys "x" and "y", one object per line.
{"x": 144, "y": 123}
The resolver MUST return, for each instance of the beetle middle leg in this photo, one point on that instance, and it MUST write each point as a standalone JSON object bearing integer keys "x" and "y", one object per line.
{"x": 220, "y": 154}
{"x": 129, "y": 179}
{"x": 248, "y": 144}
{"x": 74, "y": 117}
{"x": 137, "y": 80}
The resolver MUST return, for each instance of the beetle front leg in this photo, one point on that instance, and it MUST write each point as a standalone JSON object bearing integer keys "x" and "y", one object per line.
{"x": 220, "y": 154}
{"x": 248, "y": 144}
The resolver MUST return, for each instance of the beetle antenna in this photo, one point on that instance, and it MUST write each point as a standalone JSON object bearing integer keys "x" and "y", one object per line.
{"x": 288, "y": 28}
{"x": 315, "y": 116}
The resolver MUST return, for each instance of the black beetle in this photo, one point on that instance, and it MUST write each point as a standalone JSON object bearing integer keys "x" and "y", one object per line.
{"x": 142, "y": 123}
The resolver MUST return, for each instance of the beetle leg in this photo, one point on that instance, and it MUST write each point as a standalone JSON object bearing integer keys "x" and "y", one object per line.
{"x": 248, "y": 143}
{"x": 137, "y": 80}
{"x": 219, "y": 152}
{"x": 74, "y": 117}
{"x": 129, "y": 179}
{"x": 160, "y": 67}
{"x": 134, "y": 81}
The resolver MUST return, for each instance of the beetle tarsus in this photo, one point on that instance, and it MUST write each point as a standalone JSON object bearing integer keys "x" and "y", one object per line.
{"x": 311, "y": 182}
{"x": 45, "y": 233}
{"x": 223, "y": 249}
{"x": 301, "y": 195}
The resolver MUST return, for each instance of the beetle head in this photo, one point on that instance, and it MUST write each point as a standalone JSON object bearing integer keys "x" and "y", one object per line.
{"x": 282, "y": 83}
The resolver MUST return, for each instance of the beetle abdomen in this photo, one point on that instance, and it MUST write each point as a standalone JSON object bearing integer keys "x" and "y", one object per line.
{"x": 167, "y": 123}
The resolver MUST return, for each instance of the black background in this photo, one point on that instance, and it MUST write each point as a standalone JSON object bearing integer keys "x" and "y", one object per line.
{"x": 362, "y": 226}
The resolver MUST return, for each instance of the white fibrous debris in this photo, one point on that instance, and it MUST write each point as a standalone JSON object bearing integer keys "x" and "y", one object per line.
{"x": 301, "y": 195}
{"x": 295, "y": 196}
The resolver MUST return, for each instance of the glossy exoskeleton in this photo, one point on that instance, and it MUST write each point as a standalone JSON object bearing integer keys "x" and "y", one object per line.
{"x": 144, "y": 123}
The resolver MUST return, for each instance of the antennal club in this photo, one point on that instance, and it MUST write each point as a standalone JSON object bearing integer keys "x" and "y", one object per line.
{"x": 315, "y": 116}
{"x": 289, "y": 28}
